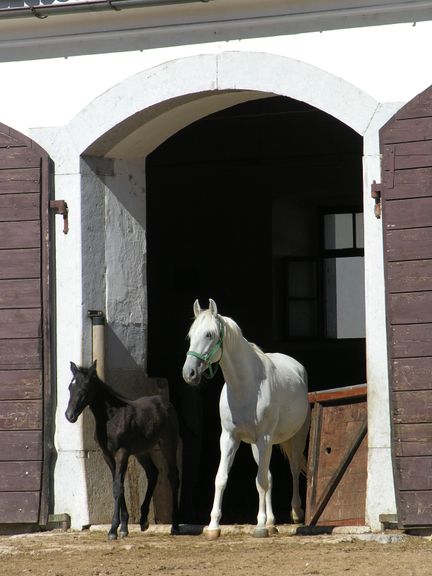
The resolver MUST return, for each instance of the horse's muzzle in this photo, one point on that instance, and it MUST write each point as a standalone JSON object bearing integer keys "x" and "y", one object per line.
{"x": 191, "y": 375}
{"x": 71, "y": 416}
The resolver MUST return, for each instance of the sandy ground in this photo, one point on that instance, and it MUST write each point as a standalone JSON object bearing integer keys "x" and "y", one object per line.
{"x": 89, "y": 553}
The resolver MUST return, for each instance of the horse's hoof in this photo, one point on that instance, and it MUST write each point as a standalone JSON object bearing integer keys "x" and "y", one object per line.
{"x": 144, "y": 526}
{"x": 212, "y": 534}
{"x": 112, "y": 536}
{"x": 272, "y": 530}
{"x": 261, "y": 533}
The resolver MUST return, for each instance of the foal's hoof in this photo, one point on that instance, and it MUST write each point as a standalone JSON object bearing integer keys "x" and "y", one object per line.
{"x": 212, "y": 534}
{"x": 124, "y": 534}
{"x": 144, "y": 526}
{"x": 112, "y": 536}
{"x": 261, "y": 533}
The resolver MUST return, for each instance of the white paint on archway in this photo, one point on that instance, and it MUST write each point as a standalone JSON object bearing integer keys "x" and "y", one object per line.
{"x": 125, "y": 124}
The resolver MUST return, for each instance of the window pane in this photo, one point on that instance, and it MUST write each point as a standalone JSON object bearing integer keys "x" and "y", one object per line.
{"x": 338, "y": 231}
{"x": 359, "y": 230}
{"x": 301, "y": 279}
{"x": 302, "y": 319}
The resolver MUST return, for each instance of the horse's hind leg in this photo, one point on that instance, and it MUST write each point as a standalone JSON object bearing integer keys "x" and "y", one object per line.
{"x": 152, "y": 476}
{"x": 294, "y": 450}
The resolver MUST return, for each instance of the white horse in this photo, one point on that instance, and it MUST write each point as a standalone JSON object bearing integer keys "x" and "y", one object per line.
{"x": 263, "y": 402}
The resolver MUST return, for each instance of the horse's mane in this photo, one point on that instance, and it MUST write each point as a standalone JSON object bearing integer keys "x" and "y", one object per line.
{"x": 116, "y": 395}
{"x": 232, "y": 330}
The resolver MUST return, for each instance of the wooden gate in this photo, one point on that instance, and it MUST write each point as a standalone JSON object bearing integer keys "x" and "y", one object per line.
{"x": 25, "y": 384}
{"x": 406, "y": 146}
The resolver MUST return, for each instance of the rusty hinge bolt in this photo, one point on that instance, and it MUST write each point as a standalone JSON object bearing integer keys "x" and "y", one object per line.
{"x": 60, "y": 207}
{"x": 376, "y": 194}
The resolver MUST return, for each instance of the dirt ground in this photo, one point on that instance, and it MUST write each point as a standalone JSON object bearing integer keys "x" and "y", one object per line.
{"x": 89, "y": 553}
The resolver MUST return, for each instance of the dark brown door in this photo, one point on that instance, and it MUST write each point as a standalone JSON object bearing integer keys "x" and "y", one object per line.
{"x": 25, "y": 398}
{"x": 406, "y": 146}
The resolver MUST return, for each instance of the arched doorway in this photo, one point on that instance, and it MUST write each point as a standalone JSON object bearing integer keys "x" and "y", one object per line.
{"x": 258, "y": 206}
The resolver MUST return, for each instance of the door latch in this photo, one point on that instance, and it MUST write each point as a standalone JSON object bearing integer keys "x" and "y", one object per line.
{"x": 376, "y": 194}
{"x": 60, "y": 207}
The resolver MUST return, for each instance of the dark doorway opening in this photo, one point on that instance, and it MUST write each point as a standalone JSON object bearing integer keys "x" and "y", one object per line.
{"x": 244, "y": 207}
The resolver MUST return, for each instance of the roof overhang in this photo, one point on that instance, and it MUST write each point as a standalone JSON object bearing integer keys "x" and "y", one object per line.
{"x": 32, "y": 29}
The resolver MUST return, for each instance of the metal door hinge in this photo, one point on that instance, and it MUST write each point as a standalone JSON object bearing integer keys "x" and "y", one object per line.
{"x": 60, "y": 207}
{"x": 376, "y": 194}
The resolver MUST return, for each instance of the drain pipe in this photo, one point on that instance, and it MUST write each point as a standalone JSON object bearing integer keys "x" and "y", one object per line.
{"x": 98, "y": 340}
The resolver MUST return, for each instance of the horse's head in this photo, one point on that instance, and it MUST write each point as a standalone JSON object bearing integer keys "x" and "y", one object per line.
{"x": 206, "y": 342}
{"x": 81, "y": 390}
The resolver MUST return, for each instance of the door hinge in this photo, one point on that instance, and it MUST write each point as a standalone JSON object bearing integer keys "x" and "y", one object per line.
{"x": 376, "y": 194}
{"x": 60, "y": 207}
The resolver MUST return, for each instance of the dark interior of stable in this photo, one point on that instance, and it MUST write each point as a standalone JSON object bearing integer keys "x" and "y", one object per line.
{"x": 234, "y": 201}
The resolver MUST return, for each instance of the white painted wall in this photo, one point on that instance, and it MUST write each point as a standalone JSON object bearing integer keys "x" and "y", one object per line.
{"x": 326, "y": 70}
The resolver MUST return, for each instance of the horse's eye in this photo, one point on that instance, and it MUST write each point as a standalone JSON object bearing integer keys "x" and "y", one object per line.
{"x": 209, "y": 335}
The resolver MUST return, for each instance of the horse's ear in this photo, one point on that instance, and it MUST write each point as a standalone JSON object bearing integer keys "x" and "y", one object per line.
{"x": 213, "y": 307}
{"x": 92, "y": 369}
{"x": 196, "y": 308}
{"x": 74, "y": 368}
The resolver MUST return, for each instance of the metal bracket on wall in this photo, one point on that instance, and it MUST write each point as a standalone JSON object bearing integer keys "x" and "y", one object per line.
{"x": 60, "y": 207}
{"x": 376, "y": 194}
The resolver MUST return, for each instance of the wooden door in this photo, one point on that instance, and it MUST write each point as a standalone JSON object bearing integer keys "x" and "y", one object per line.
{"x": 25, "y": 383}
{"x": 337, "y": 457}
{"x": 406, "y": 147}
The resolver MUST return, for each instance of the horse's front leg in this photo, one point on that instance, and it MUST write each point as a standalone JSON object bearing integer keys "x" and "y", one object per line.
{"x": 264, "y": 448}
{"x": 120, "y": 515}
{"x": 228, "y": 448}
{"x": 270, "y": 521}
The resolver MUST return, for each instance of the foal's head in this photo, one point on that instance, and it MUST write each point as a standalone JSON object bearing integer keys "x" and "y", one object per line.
{"x": 81, "y": 389}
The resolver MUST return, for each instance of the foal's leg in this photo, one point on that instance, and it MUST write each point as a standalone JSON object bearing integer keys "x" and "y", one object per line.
{"x": 228, "y": 448}
{"x": 152, "y": 475}
{"x": 270, "y": 522}
{"x": 120, "y": 510}
{"x": 264, "y": 448}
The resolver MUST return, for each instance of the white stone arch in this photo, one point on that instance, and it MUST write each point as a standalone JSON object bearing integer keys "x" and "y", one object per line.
{"x": 133, "y": 118}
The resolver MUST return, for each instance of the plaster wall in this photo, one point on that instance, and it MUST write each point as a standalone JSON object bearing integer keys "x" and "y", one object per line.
{"x": 123, "y": 211}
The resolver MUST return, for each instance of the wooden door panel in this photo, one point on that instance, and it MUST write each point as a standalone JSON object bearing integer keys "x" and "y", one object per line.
{"x": 406, "y": 146}
{"x": 25, "y": 358}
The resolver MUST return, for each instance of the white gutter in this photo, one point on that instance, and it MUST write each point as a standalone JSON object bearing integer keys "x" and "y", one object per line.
{"x": 43, "y": 11}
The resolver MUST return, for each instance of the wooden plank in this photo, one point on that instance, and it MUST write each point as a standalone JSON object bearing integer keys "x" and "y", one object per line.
{"x": 411, "y": 244}
{"x": 21, "y": 445}
{"x": 408, "y": 155}
{"x": 20, "y": 354}
{"x": 345, "y": 393}
{"x": 20, "y": 323}
{"x": 24, "y": 263}
{"x": 415, "y": 508}
{"x": 412, "y": 407}
{"x": 411, "y": 340}
{"x": 413, "y": 439}
{"x": 20, "y": 384}
{"x": 411, "y": 374}
{"x": 408, "y": 213}
{"x": 19, "y": 158}
{"x": 20, "y": 181}
{"x": 409, "y": 276}
{"x": 20, "y": 476}
{"x": 22, "y": 293}
{"x": 410, "y": 308}
{"x": 19, "y": 507}
{"x": 410, "y": 183}
{"x": 415, "y": 472}
{"x": 7, "y": 140}
{"x": 19, "y": 235}
{"x": 20, "y": 414}
{"x": 408, "y": 130}
{"x": 14, "y": 207}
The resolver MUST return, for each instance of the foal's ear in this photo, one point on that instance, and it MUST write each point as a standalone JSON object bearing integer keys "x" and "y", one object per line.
{"x": 74, "y": 368}
{"x": 92, "y": 370}
{"x": 196, "y": 308}
{"x": 212, "y": 307}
